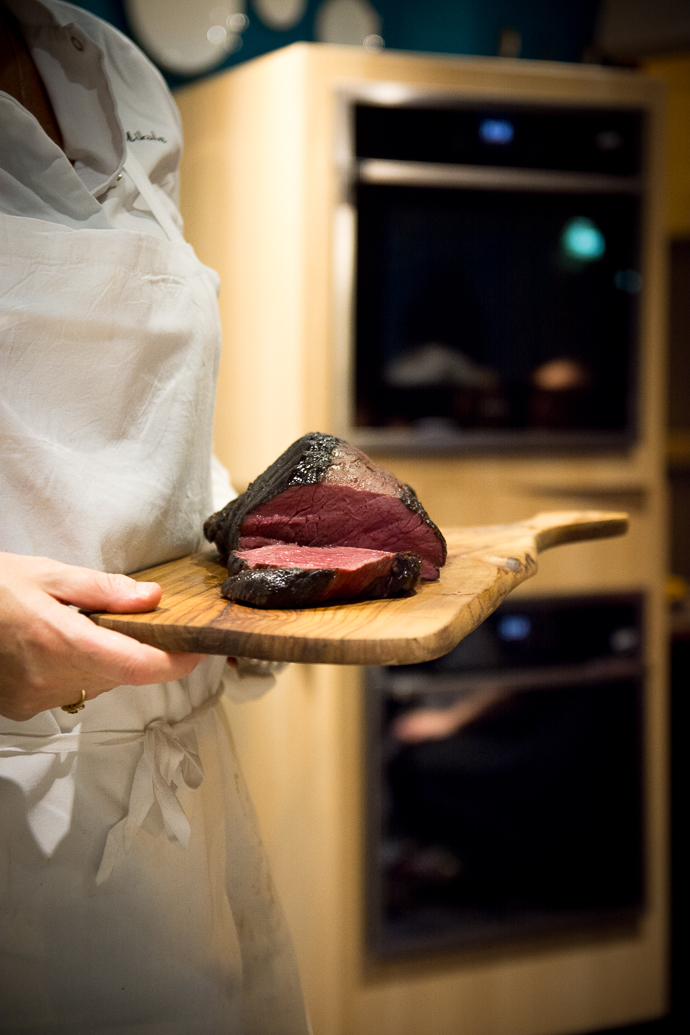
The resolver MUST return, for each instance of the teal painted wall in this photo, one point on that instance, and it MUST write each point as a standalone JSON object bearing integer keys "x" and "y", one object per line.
{"x": 552, "y": 29}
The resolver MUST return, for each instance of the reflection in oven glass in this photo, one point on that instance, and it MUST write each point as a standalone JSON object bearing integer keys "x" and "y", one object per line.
{"x": 495, "y": 310}
{"x": 508, "y": 799}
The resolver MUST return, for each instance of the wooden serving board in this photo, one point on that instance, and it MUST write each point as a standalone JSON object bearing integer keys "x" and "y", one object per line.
{"x": 484, "y": 564}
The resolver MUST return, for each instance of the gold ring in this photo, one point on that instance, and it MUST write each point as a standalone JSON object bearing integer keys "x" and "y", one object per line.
{"x": 74, "y": 708}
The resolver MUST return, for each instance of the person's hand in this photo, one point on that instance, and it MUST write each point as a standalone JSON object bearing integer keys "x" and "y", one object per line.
{"x": 49, "y": 652}
{"x": 419, "y": 724}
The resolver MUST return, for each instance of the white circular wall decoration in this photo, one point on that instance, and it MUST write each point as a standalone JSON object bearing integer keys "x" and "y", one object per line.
{"x": 280, "y": 14}
{"x": 188, "y": 36}
{"x": 348, "y": 21}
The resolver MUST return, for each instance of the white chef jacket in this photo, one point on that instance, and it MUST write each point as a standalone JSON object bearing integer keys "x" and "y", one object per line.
{"x": 106, "y": 97}
{"x": 134, "y": 892}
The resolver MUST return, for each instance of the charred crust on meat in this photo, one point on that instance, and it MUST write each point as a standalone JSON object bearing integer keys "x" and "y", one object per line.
{"x": 305, "y": 462}
{"x": 410, "y": 499}
{"x": 236, "y": 564}
{"x": 278, "y": 587}
{"x": 404, "y": 575}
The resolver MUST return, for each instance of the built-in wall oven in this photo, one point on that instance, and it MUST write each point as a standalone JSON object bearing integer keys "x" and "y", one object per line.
{"x": 504, "y": 781}
{"x": 493, "y": 276}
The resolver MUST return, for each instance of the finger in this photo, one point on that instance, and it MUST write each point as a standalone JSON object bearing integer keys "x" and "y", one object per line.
{"x": 122, "y": 660}
{"x": 90, "y": 659}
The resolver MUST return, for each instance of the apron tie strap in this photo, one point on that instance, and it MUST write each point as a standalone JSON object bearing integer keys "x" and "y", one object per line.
{"x": 148, "y": 192}
{"x": 169, "y": 760}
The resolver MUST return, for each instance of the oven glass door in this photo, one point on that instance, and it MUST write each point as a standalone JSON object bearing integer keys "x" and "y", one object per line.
{"x": 505, "y": 781}
{"x": 497, "y": 316}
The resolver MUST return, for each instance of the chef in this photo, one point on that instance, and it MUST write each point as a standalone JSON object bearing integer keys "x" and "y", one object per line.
{"x": 134, "y": 891}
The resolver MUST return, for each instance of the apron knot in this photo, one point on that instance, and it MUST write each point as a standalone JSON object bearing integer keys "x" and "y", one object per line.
{"x": 169, "y": 760}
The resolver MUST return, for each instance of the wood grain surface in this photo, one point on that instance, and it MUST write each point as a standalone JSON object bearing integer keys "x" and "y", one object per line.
{"x": 484, "y": 565}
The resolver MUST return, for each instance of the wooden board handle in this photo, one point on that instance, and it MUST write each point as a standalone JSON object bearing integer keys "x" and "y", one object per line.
{"x": 551, "y": 528}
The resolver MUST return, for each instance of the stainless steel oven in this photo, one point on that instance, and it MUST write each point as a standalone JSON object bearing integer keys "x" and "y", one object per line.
{"x": 489, "y": 259}
{"x": 504, "y": 781}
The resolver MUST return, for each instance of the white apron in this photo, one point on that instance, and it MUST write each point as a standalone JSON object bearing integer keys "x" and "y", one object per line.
{"x": 134, "y": 891}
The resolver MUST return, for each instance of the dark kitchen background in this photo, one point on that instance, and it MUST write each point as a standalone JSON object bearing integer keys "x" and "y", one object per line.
{"x": 414, "y": 900}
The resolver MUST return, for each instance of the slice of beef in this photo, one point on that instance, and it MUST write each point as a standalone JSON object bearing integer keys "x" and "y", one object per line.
{"x": 324, "y": 492}
{"x": 304, "y": 576}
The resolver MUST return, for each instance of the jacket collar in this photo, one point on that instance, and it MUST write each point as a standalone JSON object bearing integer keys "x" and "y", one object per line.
{"x": 71, "y": 66}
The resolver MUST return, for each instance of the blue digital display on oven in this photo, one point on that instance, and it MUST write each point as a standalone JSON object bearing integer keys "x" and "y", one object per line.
{"x": 496, "y": 131}
{"x": 514, "y": 627}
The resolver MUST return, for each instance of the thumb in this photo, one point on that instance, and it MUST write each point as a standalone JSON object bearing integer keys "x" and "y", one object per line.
{"x": 101, "y": 591}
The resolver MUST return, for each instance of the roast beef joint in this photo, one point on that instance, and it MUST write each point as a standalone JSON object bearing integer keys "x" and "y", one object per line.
{"x": 324, "y": 524}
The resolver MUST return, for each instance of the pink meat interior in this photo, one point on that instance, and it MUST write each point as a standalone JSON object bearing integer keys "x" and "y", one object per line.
{"x": 325, "y": 515}
{"x": 345, "y": 558}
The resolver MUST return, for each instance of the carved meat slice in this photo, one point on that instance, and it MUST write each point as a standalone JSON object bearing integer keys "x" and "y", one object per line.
{"x": 305, "y": 576}
{"x": 324, "y": 492}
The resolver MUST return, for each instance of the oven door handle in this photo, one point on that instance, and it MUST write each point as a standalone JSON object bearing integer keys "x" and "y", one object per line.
{"x": 387, "y": 172}
{"x": 542, "y": 677}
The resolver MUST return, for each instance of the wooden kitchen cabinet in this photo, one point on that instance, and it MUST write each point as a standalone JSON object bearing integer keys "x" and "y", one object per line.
{"x": 261, "y": 199}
